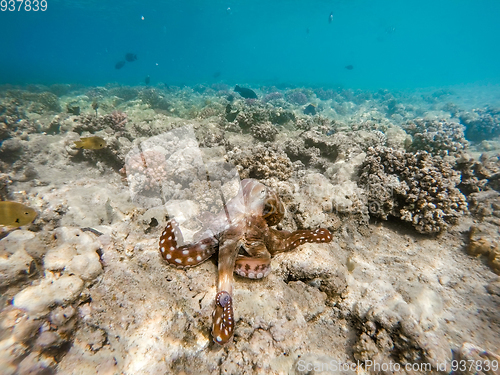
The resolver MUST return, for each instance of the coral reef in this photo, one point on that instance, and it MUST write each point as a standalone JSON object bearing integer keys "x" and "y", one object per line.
{"x": 296, "y": 97}
{"x": 116, "y": 120}
{"x": 485, "y": 205}
{"x": 10, "y": 115}
{"x": 481, "y": 124}
{"x": 417, "y": 188}
{"x": 91, "y": 123}
{"x": 264, "y": 131}
{"x": 146, "y": 170}
{"x": 155, "y": 99}
{"x": 247, "y": 116}
{"x": 261, "y": 162}
{"x": 273, "y": 97}
{"x": 478, "y": 175}
{"x": 125, "y": 92}
{"x": 438, "y": 137}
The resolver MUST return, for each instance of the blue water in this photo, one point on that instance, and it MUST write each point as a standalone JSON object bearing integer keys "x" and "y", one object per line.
{"x": 390, "y": 44}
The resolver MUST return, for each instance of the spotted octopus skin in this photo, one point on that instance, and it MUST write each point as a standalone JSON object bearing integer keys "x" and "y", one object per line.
{"x": 245, "y": 223}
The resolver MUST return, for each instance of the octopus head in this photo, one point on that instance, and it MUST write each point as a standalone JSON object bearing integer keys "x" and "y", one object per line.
{"x": 261, "y": 200}
{"x": 273, "y": 209}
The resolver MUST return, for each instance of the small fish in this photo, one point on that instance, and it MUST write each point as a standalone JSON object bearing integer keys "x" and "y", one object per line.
{"x": 91, "y": 230}
{"x": 330, "y": 18}
{"x": 130, "y": 57}
{"x": 119, "y": 64}
{"x": 95, "y": 106}
{"x": 349, "y": 67}
{"x": 390, "y": 29}
{"x": 90, "y": 143}
{"x": 310, "y": 110}
{"x": 147, "y": 80}
{"x": 13, "y": 214}
{"x": 246, "y": 93}
{"x": 216, "y": 75}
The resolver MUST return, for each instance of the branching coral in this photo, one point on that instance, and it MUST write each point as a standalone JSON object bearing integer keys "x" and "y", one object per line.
{"x": 261, "y": 162}
{"x": 296, "y": 97}
{"x": 247, "y": 116}
{"x": 437, "y": 137}
{"x": 417, "y": 188}
{"x": 264, "y": 131}
{"x": 116, "y": 121}
{"x": 146, "y": 170}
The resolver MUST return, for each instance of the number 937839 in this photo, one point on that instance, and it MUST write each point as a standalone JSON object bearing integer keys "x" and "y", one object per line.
{"x": 23, "y": 5}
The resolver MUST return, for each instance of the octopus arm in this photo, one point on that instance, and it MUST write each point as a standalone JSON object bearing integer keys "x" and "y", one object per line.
{"x": 278, "y": 241}
{"x": 187, "y": 255}
{"x": 255, "y": 266}
{"x": 223, "y": 320}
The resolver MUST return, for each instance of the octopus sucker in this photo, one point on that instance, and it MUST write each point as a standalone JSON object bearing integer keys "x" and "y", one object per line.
{"x": 244, "y": 223}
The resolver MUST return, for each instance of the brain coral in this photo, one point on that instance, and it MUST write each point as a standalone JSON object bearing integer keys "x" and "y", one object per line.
{"x": 416, "y": 187}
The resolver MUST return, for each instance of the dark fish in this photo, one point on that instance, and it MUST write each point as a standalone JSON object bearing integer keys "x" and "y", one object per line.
{"x": 310, "y": 110}
{"x": 216, "y": 74}
{"x": 246, "y": 93}
{"x": 120, "y": 64}
{"x": 130, "y": 57}
{"x": 330, "y": 18}
{"x": 147, "y": 80}
{"x": 349, "y": 67}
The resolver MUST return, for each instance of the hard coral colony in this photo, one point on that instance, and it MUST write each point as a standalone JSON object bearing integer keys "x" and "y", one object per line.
{"x": 244, "y": 225}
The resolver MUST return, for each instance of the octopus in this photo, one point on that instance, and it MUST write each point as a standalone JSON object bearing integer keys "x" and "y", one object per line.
{"x": 242, "y": 234}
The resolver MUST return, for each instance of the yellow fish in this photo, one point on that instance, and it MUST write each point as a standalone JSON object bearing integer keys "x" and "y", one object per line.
{"x": 13, "y": 214}
{"x": 91, "y": 143}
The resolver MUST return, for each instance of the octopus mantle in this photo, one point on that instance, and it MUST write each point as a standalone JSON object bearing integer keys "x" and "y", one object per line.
{"x": 243, "y": 236}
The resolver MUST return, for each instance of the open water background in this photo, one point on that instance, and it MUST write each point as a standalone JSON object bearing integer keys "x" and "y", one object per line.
{"x": 391, "y": 44}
